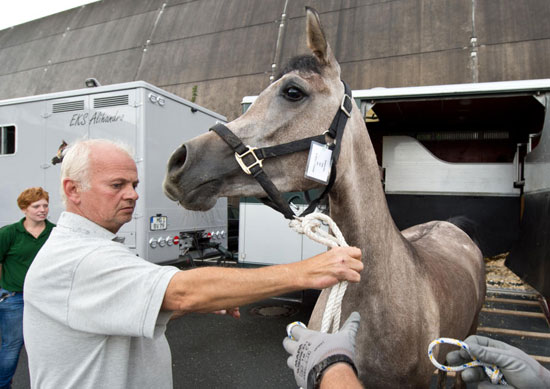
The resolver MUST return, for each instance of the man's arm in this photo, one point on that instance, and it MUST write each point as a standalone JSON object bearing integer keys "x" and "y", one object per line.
{"x": 209, "y": 289}
{"x": 340, "y": 375}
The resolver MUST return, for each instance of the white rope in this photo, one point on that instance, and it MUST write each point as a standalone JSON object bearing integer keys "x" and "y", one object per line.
{"x": 310, "y": 226}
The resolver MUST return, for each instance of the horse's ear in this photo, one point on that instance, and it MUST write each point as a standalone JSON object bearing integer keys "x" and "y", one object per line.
{"x": 316, "y": 40}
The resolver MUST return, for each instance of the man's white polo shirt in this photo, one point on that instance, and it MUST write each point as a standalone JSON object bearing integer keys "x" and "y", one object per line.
{"x": 91, "y": 316}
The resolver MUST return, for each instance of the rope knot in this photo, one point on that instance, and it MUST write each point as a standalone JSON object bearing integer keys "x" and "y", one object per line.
{"x": 311, "y": 226}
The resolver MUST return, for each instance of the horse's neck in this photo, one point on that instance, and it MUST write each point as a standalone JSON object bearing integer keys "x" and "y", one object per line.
{"x": 358, "y": 206}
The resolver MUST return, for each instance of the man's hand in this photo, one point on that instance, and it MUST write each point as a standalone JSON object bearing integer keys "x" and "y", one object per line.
{"x": 233, "y": 312}
{"x": 519, "y": 369}
{"x": 311, "y": 352}
{"x": 328, "y": 268}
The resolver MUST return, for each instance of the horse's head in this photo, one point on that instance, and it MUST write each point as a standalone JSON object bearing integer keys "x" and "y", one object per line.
{"x": 301, "y": 103}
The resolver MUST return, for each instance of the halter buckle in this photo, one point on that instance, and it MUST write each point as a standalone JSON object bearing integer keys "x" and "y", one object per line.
{"x": 242, "y": 164}
{"x": 343, "y": 105}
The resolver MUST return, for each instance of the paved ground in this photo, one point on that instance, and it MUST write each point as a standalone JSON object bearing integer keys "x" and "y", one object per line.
{"x": 211, "y": 351}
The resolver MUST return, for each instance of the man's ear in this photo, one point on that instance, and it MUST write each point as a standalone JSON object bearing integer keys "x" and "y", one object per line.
{"x": 72, "y": 190}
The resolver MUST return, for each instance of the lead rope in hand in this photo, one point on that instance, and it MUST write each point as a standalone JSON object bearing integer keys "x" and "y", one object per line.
{"x": 492, "y": 371}
{"x": 310, "y": 225}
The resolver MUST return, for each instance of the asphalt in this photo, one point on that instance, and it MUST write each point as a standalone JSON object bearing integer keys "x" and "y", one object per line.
{"x": 213, "y": 351}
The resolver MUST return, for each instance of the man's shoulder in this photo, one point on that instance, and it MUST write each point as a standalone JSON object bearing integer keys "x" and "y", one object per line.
{"x": 66, "y": 240}
{"x": 82, "y": 226}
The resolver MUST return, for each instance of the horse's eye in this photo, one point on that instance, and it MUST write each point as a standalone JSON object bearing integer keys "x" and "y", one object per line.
{"x": 293, "y": 94}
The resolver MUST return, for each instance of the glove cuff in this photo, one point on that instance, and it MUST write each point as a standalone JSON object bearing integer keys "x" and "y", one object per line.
{"x": 316, "y": 373}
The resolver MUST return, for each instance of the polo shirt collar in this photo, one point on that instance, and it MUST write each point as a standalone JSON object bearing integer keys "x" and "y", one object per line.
{"x": 83, "y": 226}
{"x": 19, "y": 226}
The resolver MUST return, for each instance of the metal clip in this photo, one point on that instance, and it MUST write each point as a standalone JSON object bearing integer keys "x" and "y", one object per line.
{"x": 243, "y": 166}
{"x": 342, "y": 106}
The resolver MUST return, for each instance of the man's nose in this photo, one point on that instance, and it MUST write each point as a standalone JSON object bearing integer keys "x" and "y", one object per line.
{"x": 131, "y": 193}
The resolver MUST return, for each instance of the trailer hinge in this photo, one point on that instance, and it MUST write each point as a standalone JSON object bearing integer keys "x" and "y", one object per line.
{"x": 46, "y": 115}
{"x": 137, "y": 215}
{"x": 45, "y": 165}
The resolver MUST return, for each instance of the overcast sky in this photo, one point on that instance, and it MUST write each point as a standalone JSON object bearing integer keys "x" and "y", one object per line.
{"x": 14, "y": 12}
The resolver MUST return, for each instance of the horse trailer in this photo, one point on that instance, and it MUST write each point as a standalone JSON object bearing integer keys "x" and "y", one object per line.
{"x": 150, "y": 120}
{"x": 479, "y": 151}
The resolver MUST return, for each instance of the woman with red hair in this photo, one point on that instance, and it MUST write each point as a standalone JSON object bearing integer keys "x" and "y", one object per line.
{"x": 19, "y": 244}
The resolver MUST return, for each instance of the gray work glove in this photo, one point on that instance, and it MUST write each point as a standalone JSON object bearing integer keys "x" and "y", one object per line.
{"x": 312, "y": 352}
{"x": 519, "y": 369}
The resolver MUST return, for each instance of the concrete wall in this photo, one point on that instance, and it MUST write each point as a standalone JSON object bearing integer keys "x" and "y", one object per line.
{"x": 226, "y": 47}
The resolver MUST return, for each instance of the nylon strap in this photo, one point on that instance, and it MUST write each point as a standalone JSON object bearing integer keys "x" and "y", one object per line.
{"x": 276, "y": 200}
{"x": 251, "y": 158}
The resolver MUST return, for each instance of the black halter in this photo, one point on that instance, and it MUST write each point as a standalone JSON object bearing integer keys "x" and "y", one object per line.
{"x": 250, "y": 158}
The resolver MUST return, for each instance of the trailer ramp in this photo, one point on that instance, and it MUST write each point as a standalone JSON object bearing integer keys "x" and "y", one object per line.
{"x": 518, "y": 318}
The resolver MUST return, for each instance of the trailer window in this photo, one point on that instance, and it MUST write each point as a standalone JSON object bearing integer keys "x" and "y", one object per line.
{"x": 7, "y": 140}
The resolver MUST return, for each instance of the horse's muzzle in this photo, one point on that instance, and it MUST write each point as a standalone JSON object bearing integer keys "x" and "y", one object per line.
{"x": 176, "y": 161}
{"x": 173, "y": 173}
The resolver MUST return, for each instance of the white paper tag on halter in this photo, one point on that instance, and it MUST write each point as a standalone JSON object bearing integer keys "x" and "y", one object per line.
{"x": 318, "y": 163}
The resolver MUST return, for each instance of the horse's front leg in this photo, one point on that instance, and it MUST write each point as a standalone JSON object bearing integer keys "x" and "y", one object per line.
{"x": 316, "y": 318}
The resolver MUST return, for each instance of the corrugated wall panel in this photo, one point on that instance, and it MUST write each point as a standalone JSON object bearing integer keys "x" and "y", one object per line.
{"x": 449, "y": 67}
{"x": 210, "y": 56}
{"x": 38, "y": 29}
{"x": 109, "y": 10}
{"x": 191, "y": 19}
{"x": 27, "y": 56}
{"x": 515, "y": 61}
{"x": 506, "y": 21}
{"x": 24, "y": 83}
{"x": 114, "y": 36}
{"x": 109, "y": 68}
{"x": 224, "y": 94}
{"x": 226, "y": 47}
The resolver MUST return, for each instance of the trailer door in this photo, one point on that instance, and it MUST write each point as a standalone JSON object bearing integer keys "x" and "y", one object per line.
{"x": 21, "y": 155}
{"x": 65, "y": 123}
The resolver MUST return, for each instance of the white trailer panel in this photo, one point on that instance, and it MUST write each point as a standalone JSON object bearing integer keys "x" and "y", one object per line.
{"x": 152, "y": 121}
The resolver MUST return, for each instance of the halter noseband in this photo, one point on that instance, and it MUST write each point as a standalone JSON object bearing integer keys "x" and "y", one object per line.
{"x": 250, "y": 159}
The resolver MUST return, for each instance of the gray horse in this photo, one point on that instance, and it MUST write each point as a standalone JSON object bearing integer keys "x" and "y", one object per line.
{"x": 418, "y": 284}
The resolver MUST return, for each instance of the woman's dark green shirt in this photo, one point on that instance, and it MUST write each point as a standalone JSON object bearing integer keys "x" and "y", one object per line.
{"x": 17, "y": 251}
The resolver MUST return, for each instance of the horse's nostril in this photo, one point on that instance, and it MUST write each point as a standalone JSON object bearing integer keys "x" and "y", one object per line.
{"x": 177, "y": 159}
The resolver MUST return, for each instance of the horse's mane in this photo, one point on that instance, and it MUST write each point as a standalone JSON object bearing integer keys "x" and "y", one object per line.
{"x": 307, "y": 63}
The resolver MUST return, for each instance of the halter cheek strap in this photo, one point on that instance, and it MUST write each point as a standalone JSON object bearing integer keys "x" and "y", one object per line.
{"x": 250, "y": 159}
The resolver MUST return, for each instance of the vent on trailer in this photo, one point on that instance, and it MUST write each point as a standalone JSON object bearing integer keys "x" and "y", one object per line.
{"x": 111, "y": 101}
{"x": 68, "y": 106}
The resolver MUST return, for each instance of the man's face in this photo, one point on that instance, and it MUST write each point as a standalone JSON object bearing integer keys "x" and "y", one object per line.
{"x": 111, "y": 199}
